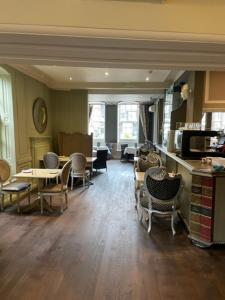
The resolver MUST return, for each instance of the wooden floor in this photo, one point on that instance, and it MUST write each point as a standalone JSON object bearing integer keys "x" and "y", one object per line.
{"x": 98, "y": 250}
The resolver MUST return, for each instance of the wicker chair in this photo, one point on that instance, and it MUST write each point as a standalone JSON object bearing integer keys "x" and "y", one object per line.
{"x": 12, "y": 187}
{"x": 58, "y": 189}
{"x": 162, "y": 191}
{"x": 78, "y": 169}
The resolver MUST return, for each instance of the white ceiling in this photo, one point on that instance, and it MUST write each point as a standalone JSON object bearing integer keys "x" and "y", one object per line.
{"x": 95, "y": 80}
{"x": 65, "y": 74}
{"x": 116, "y": 98}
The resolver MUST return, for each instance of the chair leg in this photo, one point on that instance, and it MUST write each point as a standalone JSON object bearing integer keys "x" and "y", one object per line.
{"x": 29, "y": 196}
{"x": 10, "y": 198}
{"x": 51, "y": 201}
{"x": 84, "y": 181}
{"x": 172, "y": 224}
{"x": 2, "y": 202}
{"x": 66, "y": 199}
{"x": 18, "y": 202}
{"x": 71, "y": 183}
{"x": 88, "y": 179}
{"x": 140, "y": 214}
{"x": 41, "y": 201}
{"x": 61, "y": 209}
{"x": 149, "y": 222}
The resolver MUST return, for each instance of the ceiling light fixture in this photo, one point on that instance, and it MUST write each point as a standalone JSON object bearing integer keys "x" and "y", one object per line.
{"x": 147, "y": 78}
{"x": 70, "y": 78}
{"x": 106, "y": 73}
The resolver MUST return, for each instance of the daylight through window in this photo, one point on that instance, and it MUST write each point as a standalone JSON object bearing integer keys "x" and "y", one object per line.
{"x": 97, "y": 122}
{"x": 128, "y": 119}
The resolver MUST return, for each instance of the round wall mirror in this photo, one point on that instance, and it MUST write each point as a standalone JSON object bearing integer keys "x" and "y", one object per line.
{"x": 40, "y": 115}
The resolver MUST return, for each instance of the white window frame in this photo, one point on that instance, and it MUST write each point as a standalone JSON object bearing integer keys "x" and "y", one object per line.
{"x": 96, "y": 141}
{"x": 130, "y": 142}
{"x": 218, "y": 121}
{"x": 167, "y": 117}
{"x": 7, "y": 137}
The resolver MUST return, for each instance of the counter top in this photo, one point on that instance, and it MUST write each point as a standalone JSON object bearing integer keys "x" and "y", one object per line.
{"x": 194, "y": 166}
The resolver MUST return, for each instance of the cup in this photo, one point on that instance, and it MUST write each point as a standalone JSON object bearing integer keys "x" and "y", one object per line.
{"x": 208, "y": 160}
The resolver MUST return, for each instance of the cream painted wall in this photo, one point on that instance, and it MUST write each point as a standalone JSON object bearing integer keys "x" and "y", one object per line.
{"x": 203, "y": 17}
{"x": 24, "y": 91}
{"x": 70, "y": 112}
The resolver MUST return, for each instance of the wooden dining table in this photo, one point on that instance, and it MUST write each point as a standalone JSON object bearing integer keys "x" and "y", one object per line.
{"x": 40, "y": 175}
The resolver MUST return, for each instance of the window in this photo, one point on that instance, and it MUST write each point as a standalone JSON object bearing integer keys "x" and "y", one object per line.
{"x": 97, "y": 122}
{"x": 167, "y": 116}
{"x": 218, "y": 121}
{"x": 7, "y": 140}
{"x": 128, "y": 123}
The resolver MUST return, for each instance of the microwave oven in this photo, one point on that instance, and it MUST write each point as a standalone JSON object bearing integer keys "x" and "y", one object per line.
{"x": 195, "y": 144}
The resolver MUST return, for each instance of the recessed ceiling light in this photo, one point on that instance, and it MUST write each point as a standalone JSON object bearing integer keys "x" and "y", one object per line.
{"x": 106, "y": 73}
{"x": 147, "y": 78}
{"x": 70, "y": 78}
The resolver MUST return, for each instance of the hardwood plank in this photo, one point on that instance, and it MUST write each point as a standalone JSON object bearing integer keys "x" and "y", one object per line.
{"x": 98, "y": 250}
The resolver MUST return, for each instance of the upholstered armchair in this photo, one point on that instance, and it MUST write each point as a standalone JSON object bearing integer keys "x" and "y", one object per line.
{"x": 101, "y": 160}
{"x": 160, "y": 194}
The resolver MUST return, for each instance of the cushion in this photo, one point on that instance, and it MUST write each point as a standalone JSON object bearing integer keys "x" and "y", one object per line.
{"x": 16, "y": 187}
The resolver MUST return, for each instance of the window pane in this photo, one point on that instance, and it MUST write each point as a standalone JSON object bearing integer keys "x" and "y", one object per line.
{"x": 97, "y": 122}
{"x": 218, "y": 121}
{"x": 167, "y": 116}
{"x": 128, "y": 118}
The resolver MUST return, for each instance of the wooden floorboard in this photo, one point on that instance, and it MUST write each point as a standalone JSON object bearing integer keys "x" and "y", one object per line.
{"x": 98, "y": 250}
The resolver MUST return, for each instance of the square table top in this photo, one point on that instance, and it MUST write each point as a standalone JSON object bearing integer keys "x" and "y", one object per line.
{"x": 39, "y": 173}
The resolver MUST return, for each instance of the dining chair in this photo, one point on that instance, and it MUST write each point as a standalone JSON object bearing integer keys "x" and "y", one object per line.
{"x": 78, "y": 169}
{"x": 160, "y": 194}
{"x": 60, "y": 189}
{"x": 123, "y": 156}
{"x": 8, "y": 186}
{"x": 51, "y": 161}
{"x": 101, "y": 160}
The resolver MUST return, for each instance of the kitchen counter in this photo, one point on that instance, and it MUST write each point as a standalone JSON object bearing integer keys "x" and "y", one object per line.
{"x": 195, "y": 166}
{"x": 201, "y": 201}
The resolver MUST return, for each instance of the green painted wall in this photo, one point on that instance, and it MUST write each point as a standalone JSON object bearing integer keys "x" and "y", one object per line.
{"x": 69, "y": 111}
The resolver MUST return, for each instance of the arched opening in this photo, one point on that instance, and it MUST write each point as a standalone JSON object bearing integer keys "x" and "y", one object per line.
{"x": 7, "y": 138}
